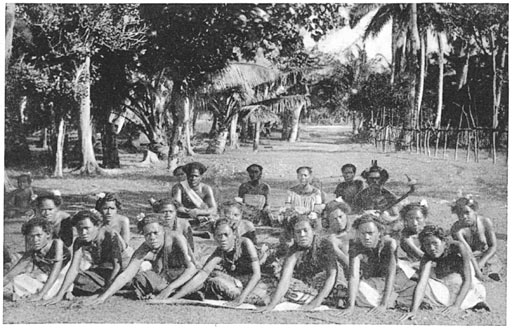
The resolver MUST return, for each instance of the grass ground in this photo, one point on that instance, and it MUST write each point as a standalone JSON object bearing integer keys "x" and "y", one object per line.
{"x": 326, "y": 149}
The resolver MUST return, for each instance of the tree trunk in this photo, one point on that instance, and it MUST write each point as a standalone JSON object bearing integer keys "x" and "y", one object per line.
{"x": 218, "y": 145}
{"x": 295, "y": 120}
{"x": 9, "y": 31}
{"x": 233, "y": 135}
{"x": 421, "y": 81}
{"x": 441, "y": 80}
{"x": 187, "y": 127}
{"x": 213, "y": 129}
{"x": 175, "y": 142}
{"x": 57, "y": 172}
{"x": 256, "y": 142}
{"x": 110, "y": 149}
{"x": 89, "y": 164}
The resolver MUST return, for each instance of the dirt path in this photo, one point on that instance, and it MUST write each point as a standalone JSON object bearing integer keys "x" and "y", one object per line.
{"x": 326, "y": 149}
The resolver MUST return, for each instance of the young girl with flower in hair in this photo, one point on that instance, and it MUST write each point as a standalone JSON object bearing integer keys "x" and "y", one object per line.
{"x": 108, "y": 204}
{"x": 231, "y": 273}
{"x": 171, "y": 263}
{"x": 477, "y": 233}
{"x": 447, "y": 276}
{"x": 40, "y": 272}
{"x": 48, "y": 207}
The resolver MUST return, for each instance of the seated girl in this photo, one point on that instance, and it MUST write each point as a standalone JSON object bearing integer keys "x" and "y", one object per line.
{"x": 304, "y": 197}
{"x": 18, "y": 202}
{"x": 231, "y": 273}
{"x": 232, "y": 211}
{"x": 48, "y": 207}
{"x": 447, "y": 277}
{"x": 40, "y": 272}
{"x": 179, "y": 173}
{"x": 374, "y": 279}
{"x": 254, "y": 194}
{"x": 171, "y": 264}
{"x": 195, "y": 199}
{"x": 477, "y": 233}
{"x": 413, "y": 217}
{"x": 167, "y": 207}
{"x": 309, "y": 271}
{"x": 338, "y": 234}
{"x": 108, "y": 205}
{"x": 349, "y": 188}
{"x": 97, "y": 257}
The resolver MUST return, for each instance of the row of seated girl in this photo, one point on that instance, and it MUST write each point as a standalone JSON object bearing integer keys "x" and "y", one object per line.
{"x": 312, "y": 273}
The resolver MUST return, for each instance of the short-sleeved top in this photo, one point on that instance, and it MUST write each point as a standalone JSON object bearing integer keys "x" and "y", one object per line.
{"x": 231, "y": 265}
{"x": 303, "y": 200}
{"x": 374, "y": 261}
{"x": 449, "y": 262}
{"x": 102, "y": 251}
{"x": 367, "y": 200}
{"x": 46, "y": 261}
{"x": 167, "y": 258}
{"x": 349, "y": 190}
{"x": 248, "y": 188}
{"x": 312, "y": 260}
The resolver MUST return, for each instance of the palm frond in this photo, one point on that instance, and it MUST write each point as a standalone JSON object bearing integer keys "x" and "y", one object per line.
{"x": 383, "y": 15}
{"x": 279, "y": 105}
{"x": 358, "y": 11}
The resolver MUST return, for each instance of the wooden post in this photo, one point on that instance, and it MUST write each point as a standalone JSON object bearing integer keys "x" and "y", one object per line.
{"x": 417, "y": 134}
{"x": 469, "y": 144}
{"x": 477, "y": 142}
{"x": 493, "y": 146}
{"x": 256, "y": 141}
{"x": 384, "y": 134}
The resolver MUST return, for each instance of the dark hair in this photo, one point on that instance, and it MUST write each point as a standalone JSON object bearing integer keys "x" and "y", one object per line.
{"x": 194, "y": 166}
{"x": 432, "y": 230}
{"x": 92, "y": 215}
{"x": 231, "y": 203}
{"x": 151, "y": 218}
{"x": 413, "y": 206}
{"x": 175, "y": 172}
{"x": 224, "y": 221}
{"x": 46, "y": 225}
{"x": 384, "y": 176}
{"x": 57, "y": 200}
{"x": 302, "y": 218}
{"x": 307, "y": 168}
{"x": 109, "y": 197}
{"x": 368, "y": 218}
{"x": 254, "y": 165}
{"x": 348, "y": 166}
{"x": 334, "y": 205}
{"x": 24, "y": 177}
{"x": 462, "y": 202}
{"x": 157, "y": 206}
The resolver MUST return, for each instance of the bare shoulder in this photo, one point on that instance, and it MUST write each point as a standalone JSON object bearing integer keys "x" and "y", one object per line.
{"x": 390, "y": 242}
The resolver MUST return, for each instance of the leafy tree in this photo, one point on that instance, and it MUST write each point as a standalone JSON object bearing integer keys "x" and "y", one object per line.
{"x": 68, "y": 37}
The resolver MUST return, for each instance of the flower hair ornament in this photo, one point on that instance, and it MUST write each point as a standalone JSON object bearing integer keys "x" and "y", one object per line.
{"x": 33, "y": 197}
{"x": 56, "y": 193}
{"x": 424, "y": 203}
{"x": 95, "y": 211}
{"x": 100, "y": 195}
{"x": 140, "y": 217}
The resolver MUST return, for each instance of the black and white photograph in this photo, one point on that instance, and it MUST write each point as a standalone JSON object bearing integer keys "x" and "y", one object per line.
{"x": 255, "y": 163}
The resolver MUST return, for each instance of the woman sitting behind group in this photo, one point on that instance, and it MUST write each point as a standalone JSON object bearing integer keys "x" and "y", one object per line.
{"x": 477, "y": 233}
{"x": 309, "y": 271}
{"x": 40, "y": 272}
{"x": 231, "y": 273}
{"x": 454, "y": 285}
{"x": 304, "y": 197}
{"x": 255, "y": 193}
{"x": 374, "y": 279}
{"x": 195, "y": 199}
{"x": 97, "y": 257}
{"x": 171, "y": 264}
